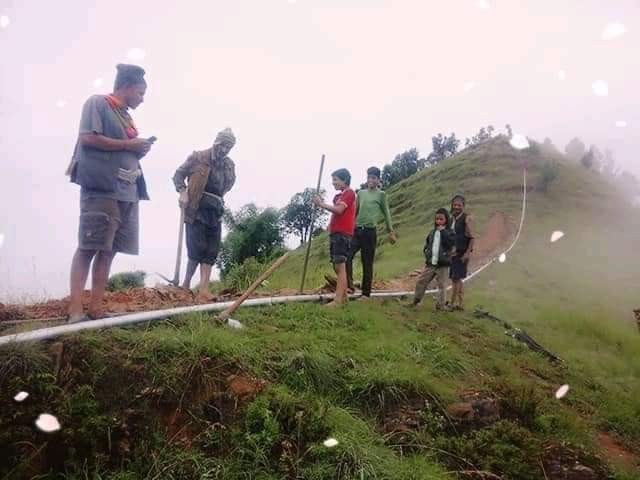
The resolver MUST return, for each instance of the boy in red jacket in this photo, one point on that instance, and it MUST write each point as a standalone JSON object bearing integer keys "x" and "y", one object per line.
{"x": 341, "y": 227}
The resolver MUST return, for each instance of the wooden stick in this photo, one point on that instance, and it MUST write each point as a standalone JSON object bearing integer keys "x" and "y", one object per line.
{"x": 176, "y": 272}
{"x": 313, "y": 219}
{"x": 227, "y": 313}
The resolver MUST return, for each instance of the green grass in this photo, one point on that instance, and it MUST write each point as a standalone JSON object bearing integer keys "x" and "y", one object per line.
{"x": 349, "y": 374}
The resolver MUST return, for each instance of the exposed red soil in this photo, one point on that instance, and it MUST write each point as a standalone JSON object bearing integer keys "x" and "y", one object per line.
{"x": 133, "y": 300}
{"x": 617, "y": 454}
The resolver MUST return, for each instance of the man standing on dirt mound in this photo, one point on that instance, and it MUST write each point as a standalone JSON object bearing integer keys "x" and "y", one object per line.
{"x": 210, "y": 175}
{"x": 462, "y": 226}
{"x": 106, "y": 164}
{"x": 371, "y": 208}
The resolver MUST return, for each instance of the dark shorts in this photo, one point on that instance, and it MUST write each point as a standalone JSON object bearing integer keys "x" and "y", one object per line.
{"x": 203, "y": 242}
{"x": 108, "y": 225}
{"x": 458, "y": 269}
{"x": 339, "y": 247}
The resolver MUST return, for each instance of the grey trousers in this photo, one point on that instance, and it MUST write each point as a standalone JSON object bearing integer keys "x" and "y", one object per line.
{"x": 426, "y": 277}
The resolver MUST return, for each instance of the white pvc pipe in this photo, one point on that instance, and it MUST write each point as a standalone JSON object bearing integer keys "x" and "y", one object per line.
{"x": 130, "y": 319}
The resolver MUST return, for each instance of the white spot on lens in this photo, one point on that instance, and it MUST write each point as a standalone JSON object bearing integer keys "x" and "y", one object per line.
{"x": 502, "y": 258}
{"x": 561, "y": 75}
{"x": 47, "y": 423}
{"x": 613, "y": 30}
{"x": 483, "y": 4}
{"x": 330, "y": 442}
{"x": 600, "y": 88}
{"x": 1, "y": 239}
{"x": 21, "y": 397}
{"x": 562, "y": 391}
{"x": 469, "y": 86}
{"x": 557, "y": 235}
{"x": 61, "y": 104}
{"x": 97, "y": 83}
{"x": 519, "y": 142}
{"x": 4, "y": 21}
{"x": 621, "y": 124}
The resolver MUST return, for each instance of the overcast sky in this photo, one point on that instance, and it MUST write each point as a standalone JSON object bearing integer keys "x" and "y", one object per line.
{"x": 359, "y": 80}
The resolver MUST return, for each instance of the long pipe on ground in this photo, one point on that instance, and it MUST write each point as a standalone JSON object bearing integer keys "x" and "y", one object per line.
{"x": 130, "y": 319}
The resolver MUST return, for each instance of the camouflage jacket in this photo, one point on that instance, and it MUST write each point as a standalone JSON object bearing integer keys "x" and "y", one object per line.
{"x": 196, "y": 171}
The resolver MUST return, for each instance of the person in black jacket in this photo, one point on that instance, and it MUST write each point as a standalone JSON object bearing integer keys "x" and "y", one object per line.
{"x": 437, "y": 251}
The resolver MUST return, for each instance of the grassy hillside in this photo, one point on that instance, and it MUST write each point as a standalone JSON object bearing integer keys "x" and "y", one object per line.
{"x": 408, "y": 394}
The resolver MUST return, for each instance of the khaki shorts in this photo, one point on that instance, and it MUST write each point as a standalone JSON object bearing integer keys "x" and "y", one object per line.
{"x": 108, "y": 225}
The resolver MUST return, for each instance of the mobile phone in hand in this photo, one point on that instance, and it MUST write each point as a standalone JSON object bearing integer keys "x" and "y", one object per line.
{"x": 152, "y": 139}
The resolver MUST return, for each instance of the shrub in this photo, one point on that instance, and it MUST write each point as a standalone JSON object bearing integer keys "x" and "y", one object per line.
{"x": 125, "y": 280}
{"x": 241, "y": 276}
{"x": 549, "y": 174}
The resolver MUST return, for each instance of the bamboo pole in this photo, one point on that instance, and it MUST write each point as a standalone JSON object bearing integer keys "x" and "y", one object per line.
{"x": 227, "y": 313}
{"x": 313, "y": 219}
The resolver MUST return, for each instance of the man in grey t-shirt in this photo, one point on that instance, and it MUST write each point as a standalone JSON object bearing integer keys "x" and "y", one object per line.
{"x": 106, "y": 164}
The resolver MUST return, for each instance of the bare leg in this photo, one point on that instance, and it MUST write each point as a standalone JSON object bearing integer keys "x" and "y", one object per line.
{"x": 341, "y": 285}
{"x": 192, "y": 266}
{"x": 99, "y": 278}
{"x": 461, "y": 295}
{"x": 80, "y": 266}
{"x": 205, "y": 277}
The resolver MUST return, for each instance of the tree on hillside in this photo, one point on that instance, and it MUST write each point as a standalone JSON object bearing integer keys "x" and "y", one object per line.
{"x": 296, "y": 216}
{"x": 609, "y": 163}
{"x": 548, "y": 147}
{"x": 253, "y": 232}
{"x": 598, "y": 158}
{"x": 403, "y": 166}
{"x": 483, "y": 135}
{"x": 509, "y": 131}
{"x": 587, "y": 159}
{"x": 575, "y": 149}
{"x": 443, "y": 147}
{"x": 548, "y": 174}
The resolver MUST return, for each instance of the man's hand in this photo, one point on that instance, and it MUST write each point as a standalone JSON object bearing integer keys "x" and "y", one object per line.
{"x": 183, "y": 199}
{"x": 392, "y": 238}
{"x": 318, "y": 201}
{"x": 139, "y": 146}
{"x": 465, "y": 257}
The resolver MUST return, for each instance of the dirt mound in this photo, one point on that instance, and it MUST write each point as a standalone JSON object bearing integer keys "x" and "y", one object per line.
{"x": 133, "y": 300}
